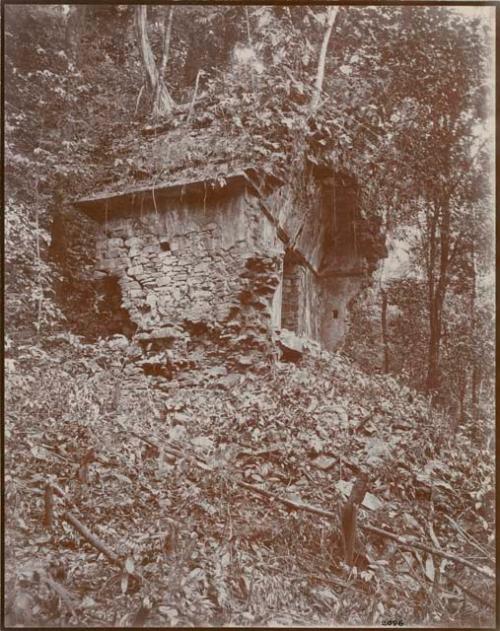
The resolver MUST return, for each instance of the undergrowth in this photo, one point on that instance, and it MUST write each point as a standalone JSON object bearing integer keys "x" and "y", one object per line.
{"x": 197, "y": 548}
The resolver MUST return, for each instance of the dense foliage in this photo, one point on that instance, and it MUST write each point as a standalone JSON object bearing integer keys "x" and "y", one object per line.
{"x": 207, "y": 550}
{"x": 402, "y": 103}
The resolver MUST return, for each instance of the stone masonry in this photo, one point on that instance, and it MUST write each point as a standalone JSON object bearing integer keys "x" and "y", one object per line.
{"x": 228, "y": 261}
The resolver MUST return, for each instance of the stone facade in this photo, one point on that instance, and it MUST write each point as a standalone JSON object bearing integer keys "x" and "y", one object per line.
{"x": 292, "y": 291}
{"x": 232, "y": 260}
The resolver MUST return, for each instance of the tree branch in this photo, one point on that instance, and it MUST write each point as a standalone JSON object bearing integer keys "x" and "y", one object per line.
{"x": 470, "y": 593}
{"x": 400, "y": 540}
{"x": 139, "y": 99}
{"x": 91, "y": 538}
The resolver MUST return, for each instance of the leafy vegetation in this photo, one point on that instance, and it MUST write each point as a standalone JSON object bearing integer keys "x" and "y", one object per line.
{"x": 206, "y": 549}
{"x": 156, "y": 469}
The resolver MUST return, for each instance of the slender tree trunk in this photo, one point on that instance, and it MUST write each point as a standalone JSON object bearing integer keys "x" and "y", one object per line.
{"x": 162, "y": 101}
{"x": 434, "y": 348}
{"x": 195, "y": 93}
{"x": 320, "y": 73}
{"x": 475, "y": 377}
{"x": 475, "y": 383}
{"x": 433, "y": 376}
{"x": 38, "y": 324}
{"x": 167, "y": 34}
{"x": 433, "y": 352}
{"x": 75, "y": 22}
{"x": 438, "y": 282}
{"x": 385, "y": 339}
{"x": 250, "y": 45}
{"x": 463, "y": 391}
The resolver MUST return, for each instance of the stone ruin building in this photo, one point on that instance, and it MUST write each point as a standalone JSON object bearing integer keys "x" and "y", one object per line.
{"x": 236, "y": 260}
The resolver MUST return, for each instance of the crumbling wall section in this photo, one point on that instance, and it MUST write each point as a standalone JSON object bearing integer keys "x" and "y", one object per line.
{"x": 335, "y": 297}
{"x": 339, "y": 250}
{"x": 206, "y": 275}
{"x": 291, "y": 294}
{"x": 195, "y": 274}
{"x": 302, "y": 215}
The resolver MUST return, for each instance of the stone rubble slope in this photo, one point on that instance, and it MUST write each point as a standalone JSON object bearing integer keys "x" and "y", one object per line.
{"x": 209, "y": 550}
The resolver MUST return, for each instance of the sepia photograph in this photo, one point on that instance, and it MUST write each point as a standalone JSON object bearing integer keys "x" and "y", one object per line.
{"x": 249, "y": 315}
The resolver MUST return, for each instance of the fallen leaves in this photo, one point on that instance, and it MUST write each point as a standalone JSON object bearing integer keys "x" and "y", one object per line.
{"x": 278, "y": 433}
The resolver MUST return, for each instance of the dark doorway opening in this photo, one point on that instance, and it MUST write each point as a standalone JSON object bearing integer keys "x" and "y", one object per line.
{"x": 291, "y": 293}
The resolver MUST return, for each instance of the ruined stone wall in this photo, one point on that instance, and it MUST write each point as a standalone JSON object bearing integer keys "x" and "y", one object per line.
{"x": 303, "y": 217}
{"x": 291, "y": 294}
{"x": 199, "y": 261}
{"x": 334, "y": 301}
{"x": 212, "y": 267}
{"x": 337, "y": 258}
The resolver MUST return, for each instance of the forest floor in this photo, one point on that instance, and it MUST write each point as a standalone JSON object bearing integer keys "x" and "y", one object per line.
{"x": 157, "y": 477}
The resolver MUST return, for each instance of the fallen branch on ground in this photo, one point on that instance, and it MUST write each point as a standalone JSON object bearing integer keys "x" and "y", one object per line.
{"x": 486, "y": 571}
{"x": 469, "y": 538}
{"x": 283, "y": 500}
{"x": 91, "y": 538}
{"x": 87, "y": 534}
{"x": 399, "y": 539}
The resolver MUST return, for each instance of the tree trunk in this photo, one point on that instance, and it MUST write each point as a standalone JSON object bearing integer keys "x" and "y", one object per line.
{"x": 462, "y": 393}
{"x": 250, "y": 45}
{"x": 166, "y": 33}
{"x": 320, "y": 73}
{"x": 433, "y": 351}
{"x": 475, "y": 383}
{"x": 385, "y": 339}
{"x": 162, "y": 101}
{"x": 75, "y": 21}
{"x": 438, "y": 282}
{"x": 433, "y": 374}
{"x": 475, "y": 366}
